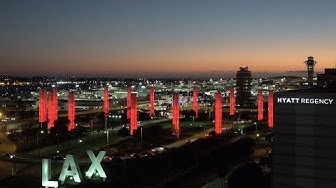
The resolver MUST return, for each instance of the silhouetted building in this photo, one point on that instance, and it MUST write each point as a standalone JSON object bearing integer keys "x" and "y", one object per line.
{"x": 243, "y": 87}
{"x": 328, "y": 79}
{"x": 304, "y": 139}
{"x": 310, "y": 63}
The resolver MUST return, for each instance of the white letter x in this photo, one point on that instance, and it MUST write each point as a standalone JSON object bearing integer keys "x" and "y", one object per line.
{"x": 95, "y": 165}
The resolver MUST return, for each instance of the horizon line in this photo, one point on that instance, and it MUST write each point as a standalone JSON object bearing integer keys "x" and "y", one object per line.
{"x": 182, "y": 74}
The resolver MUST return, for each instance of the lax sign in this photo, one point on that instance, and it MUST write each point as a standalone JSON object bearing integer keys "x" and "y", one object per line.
{"x": 71, "y": 169}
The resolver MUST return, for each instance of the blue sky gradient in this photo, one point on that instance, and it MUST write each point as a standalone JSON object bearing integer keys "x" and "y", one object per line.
{"x": 144, "y": 36}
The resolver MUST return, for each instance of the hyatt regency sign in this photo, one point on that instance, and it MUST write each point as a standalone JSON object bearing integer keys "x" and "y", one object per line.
{"x": 71, "y": 169}
{"x": 298, "y": 100}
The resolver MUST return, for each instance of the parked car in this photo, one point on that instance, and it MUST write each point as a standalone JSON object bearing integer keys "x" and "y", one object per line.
{"x": 57, "y": 157}
{"x": 108, "y": 158}
{"x": 8, "y": 155}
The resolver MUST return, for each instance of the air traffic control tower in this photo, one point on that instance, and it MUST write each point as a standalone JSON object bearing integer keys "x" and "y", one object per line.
{"x": 310, "y": 63}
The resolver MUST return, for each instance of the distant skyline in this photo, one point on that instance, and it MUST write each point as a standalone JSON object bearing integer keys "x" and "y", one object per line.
{"x": 173, "y": 37}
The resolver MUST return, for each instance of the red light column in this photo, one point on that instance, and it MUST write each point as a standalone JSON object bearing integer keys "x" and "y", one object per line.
{"x": 42, "y": 106}
{"x": 260, "y": 105}
{"x": 129, "y": 91}
{"x": 106, "y": 112}
{"x": 106, "y": 100}
{"x": 270, "y": 108}
{"x": 151, "y": 101}
{"x": 176, "y": 115}
{"x": 195, "y": 104}
{"x": 218, "y": 113}
{"x": 51, "y": 109}
{"x": 71, "y": 111}
{"x": 232, "y": 101}
{"x": 55, "y": 105}
{"x": 133, "y": 113}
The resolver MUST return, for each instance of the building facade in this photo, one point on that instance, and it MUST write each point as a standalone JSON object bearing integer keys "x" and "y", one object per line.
{"x": 328, "y": 79}
{"x": 243, "y": 87}
{"x": 304, "y": 141}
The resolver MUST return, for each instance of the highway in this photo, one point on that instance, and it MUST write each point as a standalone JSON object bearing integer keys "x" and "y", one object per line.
{"x": 6, "y": 146}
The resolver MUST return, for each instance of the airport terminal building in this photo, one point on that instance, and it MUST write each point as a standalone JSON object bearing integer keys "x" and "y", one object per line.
{"x": 304, "y": 142}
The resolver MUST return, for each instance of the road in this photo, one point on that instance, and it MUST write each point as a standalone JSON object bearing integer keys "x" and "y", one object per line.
{"x": 196, "y": 136}
{"x": 6, "y": 146}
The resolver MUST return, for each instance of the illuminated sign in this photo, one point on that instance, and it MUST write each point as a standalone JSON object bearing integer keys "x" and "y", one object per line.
{"x": 297, "y": 100}
{"x": 71, "y": 169}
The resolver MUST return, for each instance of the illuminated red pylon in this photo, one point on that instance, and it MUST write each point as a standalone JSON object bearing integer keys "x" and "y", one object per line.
{"x": 176, "y": 115}
{"x": 71, "y": 111}
{"x": 51, "y": 110}
{"x": 260, "y": 105}
{"x": 129, "y": 91}
{"x": 55, "y": 105}
{"x": 42, "y": 106}
{"x": 71, "y": 125}
{"x": 232, "y": 101}
{"x": 218, "y": 113}
{"x": 195, "y": 104}
{"x": 106, "y": 100}
{"x": 133, "y": 113}
{"x": 270, "y": 108}
{"x": 151, "y": 101}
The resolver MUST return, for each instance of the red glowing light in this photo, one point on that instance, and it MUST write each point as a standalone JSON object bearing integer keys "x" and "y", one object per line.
{"x": 129, "y": 91}
{"x": 176, "y": 115}
{"x": 55, "y": 105}
{"x": 51, "y": 110}
{"x": 232, "y": 101}
{"x": 270, "y": 108}
{"x": 218, "y": 113}
{"x": 195, "y": 104}
{"x": 71, "y": 111}
{"x": 260, "y": 105}
{"x": 133, "y": 113}
{"x": 151, "y": 102}
{"x": 106, "y": 100}
{"x": 42, "y": 106}
{"x": 71, "y": 125}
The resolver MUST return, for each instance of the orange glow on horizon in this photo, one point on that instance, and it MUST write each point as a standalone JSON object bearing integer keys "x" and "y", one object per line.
{"x": 175, "y": 62}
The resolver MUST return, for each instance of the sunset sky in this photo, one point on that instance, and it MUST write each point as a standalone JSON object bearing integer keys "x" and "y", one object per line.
{"x": 146, "y": 36}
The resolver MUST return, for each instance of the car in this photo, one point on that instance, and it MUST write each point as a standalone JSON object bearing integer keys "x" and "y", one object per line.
{"x": 189, "y": 141}
{"x": 108, "y": 158}
{"x": 132, "y": 155}
{"x": 8, "y": 155}
{"x": 158, "y": 149}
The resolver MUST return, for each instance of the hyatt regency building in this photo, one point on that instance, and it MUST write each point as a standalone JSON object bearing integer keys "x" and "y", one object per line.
{"x": 304, "y": 142}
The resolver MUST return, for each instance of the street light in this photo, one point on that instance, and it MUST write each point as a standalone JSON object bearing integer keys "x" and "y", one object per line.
{"x": 119, "y": 120}
{"x": 37, "y": 141}
{"x": 107, "y": 132}
{"x": 141, "y": 136}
